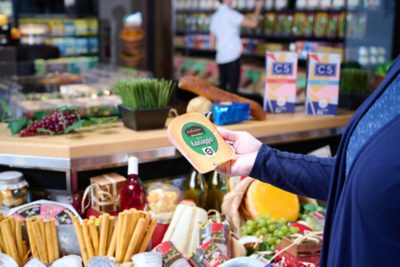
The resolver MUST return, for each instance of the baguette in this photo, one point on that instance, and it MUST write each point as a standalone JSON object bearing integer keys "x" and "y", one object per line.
{"x": 203, "y": 88}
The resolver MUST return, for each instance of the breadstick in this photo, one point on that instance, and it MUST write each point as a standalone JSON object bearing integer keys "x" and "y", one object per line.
{"x": 43, "y": 233}
{"x": 49, "y": 242}
{"x": 94, "y": 236}
{"x": 127, "y": 229}
{"x": 111, "y": 225}
{"x": 113, "y": 243}
{"x": 203, "y": 88}
{"x": 10, "y": 239}
{"x": 40, "y": 241}
{"x": 79, "y": 234}
{"x": 86, "y": 238}
{"x": 104, "y": 221}
{"x": 147, "y": 237}
{"x": 31, "y": 237}
{"x": 12, "y": 223}
{"x": 137, "y": 234}
{"x": 54, "y": 235}
{"x": 18, "y": 236}
{"x": 120, "y": 234}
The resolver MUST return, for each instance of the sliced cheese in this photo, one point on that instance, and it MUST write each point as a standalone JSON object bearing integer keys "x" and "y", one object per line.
{"x": 199, "y": 142}
{"x": 184, "y": 229}
{"x": 265, "y": 199}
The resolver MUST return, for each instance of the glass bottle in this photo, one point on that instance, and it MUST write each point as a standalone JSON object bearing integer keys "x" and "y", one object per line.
{"x": 217, "y": 188}
{"x": 132, "y": 194}
{"x": 196, "y": 189}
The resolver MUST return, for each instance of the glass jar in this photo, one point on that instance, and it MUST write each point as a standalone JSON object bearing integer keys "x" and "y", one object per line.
{"x": 13, "y": 189}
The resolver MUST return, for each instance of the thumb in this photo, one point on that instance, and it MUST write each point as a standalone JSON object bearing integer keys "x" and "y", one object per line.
{"x": 228, "y": 134}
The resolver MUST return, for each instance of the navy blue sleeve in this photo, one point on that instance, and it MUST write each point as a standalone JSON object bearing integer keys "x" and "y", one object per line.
{"x": 300, "y": 174}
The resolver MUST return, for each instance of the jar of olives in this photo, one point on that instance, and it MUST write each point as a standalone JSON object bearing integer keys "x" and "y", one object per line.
{"x": 13, "y": 189}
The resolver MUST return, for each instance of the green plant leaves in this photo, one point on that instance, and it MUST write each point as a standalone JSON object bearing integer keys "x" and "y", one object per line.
{"x": 6, "y": 110}
{"x": 144, "y": 93}
{"x": 18, "y": 125}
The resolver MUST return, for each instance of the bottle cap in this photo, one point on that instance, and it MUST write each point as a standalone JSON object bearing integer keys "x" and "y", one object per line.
{"x": 133, "y": 165}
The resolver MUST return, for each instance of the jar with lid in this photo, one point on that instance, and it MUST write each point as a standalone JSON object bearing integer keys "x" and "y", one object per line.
{"x": 13, "y": 189}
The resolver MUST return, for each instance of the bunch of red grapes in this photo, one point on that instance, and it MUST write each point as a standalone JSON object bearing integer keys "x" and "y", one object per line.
{"x": 56, "y": 122}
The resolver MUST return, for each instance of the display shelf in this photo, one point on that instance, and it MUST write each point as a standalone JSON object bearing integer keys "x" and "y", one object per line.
{"x": 284, "y": 10}
{"x": 272, "y": 38}
{"x": 70, "y": 36}
{"x": 97, "y": 149}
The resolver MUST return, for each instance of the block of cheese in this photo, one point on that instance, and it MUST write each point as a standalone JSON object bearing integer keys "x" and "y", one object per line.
{"x": 199, "y": 141}
{"x": 265, "y": 199}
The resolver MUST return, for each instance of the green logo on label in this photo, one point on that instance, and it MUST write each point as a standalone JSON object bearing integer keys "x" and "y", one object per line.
{"x": 200, "y": 139}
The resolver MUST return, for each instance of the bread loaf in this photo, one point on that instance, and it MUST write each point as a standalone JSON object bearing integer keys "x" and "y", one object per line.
{"x": 203, "y": 88}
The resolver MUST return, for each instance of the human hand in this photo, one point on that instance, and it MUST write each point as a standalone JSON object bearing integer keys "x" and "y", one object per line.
{"x": 246, "y": 148}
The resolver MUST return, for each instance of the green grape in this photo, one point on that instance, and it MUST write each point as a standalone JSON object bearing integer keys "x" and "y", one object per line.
{"x": 278, "y": 233}
{"x": 264, "y": 231}
{"x": 285, "y": 230}
{"x": 272, "y": 248}
{"x": 251, "y": 224}
{"x": 272, "y": 228}
{"x": 294, "y": 230}
{"x": 271, "y": 240}
{"x": 259, "y": 233}
{"x": 277, "y": 241}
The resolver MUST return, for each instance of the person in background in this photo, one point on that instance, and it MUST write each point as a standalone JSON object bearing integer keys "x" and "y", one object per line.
{"x": 361, "y": 184}
{"x": 225, "y": 32}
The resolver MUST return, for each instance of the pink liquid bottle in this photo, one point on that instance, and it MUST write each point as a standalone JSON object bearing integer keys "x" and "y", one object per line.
{"x": 132, "y": 194}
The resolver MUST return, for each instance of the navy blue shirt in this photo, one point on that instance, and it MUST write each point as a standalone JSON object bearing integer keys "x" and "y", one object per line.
{"x": 362, "y": 227}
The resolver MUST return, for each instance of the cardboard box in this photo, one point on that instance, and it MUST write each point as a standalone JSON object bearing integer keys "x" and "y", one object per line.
{"x": 280, "y": 82}
{"x": 323, "y": 75}
{"x": 105, "y": 191}
{"x": 305, "y": 248}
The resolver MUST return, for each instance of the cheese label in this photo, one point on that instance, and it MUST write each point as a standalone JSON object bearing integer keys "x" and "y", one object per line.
{"x": 200, "y": 139}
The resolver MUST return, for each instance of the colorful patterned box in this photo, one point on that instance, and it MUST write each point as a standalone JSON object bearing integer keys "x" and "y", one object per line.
{"x": 323, "y": 74}
{"x": 280, "y": 82}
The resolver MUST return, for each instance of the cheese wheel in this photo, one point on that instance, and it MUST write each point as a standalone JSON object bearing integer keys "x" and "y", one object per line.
{"x": 199, "y": 141}
{"x": 265, "y": 199}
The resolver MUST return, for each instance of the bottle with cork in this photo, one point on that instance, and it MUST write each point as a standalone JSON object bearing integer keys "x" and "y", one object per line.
{"x": 132, "y": 194}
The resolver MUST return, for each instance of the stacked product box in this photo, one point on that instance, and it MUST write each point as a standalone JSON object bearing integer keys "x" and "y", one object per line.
{"x": 323, "y": 74}
{"x": 280, "y": 83}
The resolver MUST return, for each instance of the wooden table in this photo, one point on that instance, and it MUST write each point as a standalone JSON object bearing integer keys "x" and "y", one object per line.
{"x": 100, "y": 148}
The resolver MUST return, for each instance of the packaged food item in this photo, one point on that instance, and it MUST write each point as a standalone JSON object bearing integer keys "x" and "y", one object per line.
{"x": 69, "y": 261}
{"x": 280, "y": 85}
{"x": 219, "y": 234}
{"x": 172, "y": 257}
{"x": 342, "y": 25}
{"x": 13, "y": 189}
{"x": 323, "y": 74}
{"x": 227, "y": 112}
{"x": 198, "y": 140}
{"x": 321, "y": 22}
{"x": 309, "y": 24}
{"x": 298, "y": 23}
{"x": 104, "y": 191}
{"x": 269, "y": 23}
{"x": 163, "y": 197}
{"x": 7, "y": 261}
{"x": 148, "y": 259}
{"x": 208, "y": 255}
{"x": 332, "y": 25}
{"x": 186, "y": 222}
{"x": 102, "y": 261}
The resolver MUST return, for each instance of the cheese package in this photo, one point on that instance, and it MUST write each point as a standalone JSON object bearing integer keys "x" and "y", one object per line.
{"x": 199, "y": 142}
{"x": 323, "y": 74}
{"x": 280, "y": 82}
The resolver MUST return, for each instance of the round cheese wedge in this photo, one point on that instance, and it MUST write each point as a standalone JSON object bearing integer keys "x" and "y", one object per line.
{"x": 265, "y": 199}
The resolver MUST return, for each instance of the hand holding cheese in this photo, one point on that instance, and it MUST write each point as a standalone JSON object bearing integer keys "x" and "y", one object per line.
{"x": 246, "y": 148}
{"x": 199, "y": 141}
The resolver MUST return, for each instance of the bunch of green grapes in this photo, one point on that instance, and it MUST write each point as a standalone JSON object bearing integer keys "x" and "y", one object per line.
{"x": 269, "y": 230}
